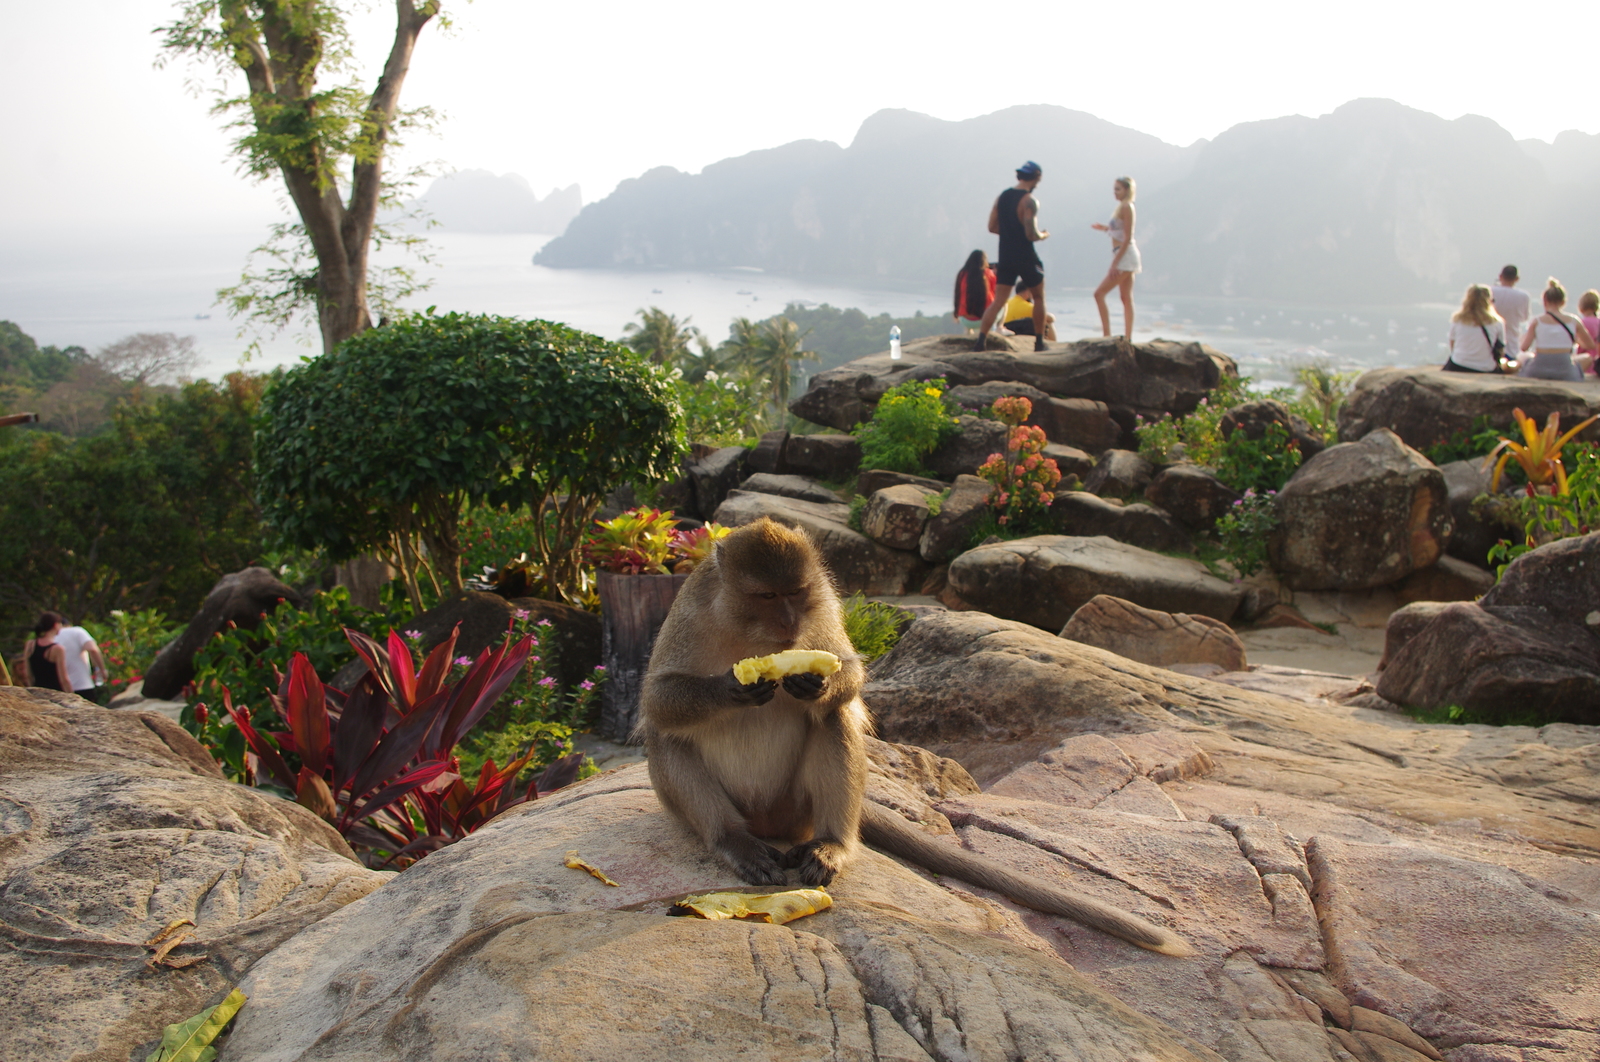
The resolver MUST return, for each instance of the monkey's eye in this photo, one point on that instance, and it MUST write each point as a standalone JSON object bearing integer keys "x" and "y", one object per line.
{"x": 767, "y": 595}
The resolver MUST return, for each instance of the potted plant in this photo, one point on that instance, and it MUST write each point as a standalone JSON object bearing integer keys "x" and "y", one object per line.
{"x": 642, "y": 559}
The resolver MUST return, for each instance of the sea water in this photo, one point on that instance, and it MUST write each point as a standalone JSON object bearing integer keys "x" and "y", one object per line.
{"x": 92, "y": 289}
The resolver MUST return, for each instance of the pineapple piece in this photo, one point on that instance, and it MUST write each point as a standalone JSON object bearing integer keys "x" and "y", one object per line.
{"x": 789, "y": 662}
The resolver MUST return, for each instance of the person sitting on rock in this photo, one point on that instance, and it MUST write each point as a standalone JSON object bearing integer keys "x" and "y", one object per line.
{"x": 1474, "y": 331}
{"x": 1551, "y": 337}
{"x": 974, "y": 288}
{"x": 1589, "y": 313}
{"x": 1018, "y": 318}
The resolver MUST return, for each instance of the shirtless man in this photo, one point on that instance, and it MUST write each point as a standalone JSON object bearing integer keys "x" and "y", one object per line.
{"x": 1015, "y": 219}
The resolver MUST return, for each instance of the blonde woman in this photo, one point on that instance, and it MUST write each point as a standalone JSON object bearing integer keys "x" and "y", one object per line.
{"x": 1474, "y": 331}
{"x": 1551, "y": 336}
{"x": 1124, "y": 257}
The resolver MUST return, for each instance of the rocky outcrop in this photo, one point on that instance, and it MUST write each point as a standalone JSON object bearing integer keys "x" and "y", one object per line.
{"x": 1360, "y": 515}
{"x": 1192, "y": 494}
{"x": 1254, "y": 417}
{"x": 968, "y": 447}
{"x": 895, "y": 516}
{"x": 873, "y": 480}
{"x": 803, "y": 488}
{"x": 1157, "y": 376}
{"x": 1070, "y": 461}
{"x": 1150, "y": 636}
{"x": 857, "y": 562}
{"x": 116, "y": 824}
{"x": 1044, "y": 580}
{"x": 713, "y": 476}
{"x": 1472, "y": 538}
{"x": 835, "y": 457}
{"x": 1447, "y": 579}
{"x": 767, "y": 457}
{"x": 1078, "y": 422}
{"x": 960, "y": 513}
{"x": 1530, "y": 647}
{"x": 1425, "y": 406}
{"x": 1119, "y": 474}
{"x": 240, "y": 598}
{"x": 1082, "y": 514}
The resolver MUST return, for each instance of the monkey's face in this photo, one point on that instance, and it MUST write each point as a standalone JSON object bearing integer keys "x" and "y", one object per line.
{"x": 773, "y": 615}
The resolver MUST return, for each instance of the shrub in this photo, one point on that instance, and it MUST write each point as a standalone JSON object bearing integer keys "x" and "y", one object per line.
{"x": 909, "y": 423}
{"x": 1199, "y": 432}
{"x": 378, "y": 445}
{"x": 129, "y": 641}
{"x": 1464, "y": 444}
{"x": 1263, "y": 464}
{"x": 1244, "y": 528}
{"x": 1567, "y": 511}
{"x": 716, "y": 409}
{"x": 1322, "y": 394}
{"x": 873, "y": 627}
{"x": 1024, "y": 479}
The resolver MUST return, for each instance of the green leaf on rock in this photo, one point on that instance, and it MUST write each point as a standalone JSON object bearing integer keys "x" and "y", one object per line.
{"x": 190, "y": 1041}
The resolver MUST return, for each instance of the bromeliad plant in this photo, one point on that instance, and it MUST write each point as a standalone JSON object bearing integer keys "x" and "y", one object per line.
{"x": 1539, "y": 454}
{"x": 378, "y": 763}
{"x": 638, "y": 542}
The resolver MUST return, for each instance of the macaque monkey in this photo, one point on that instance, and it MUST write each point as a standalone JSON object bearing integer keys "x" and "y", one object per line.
{"x": 787, "y": 760}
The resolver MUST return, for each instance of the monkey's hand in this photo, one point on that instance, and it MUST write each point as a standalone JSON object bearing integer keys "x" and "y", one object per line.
{"x": 806, "y": 686}
{"x": 817, "y": 861}
{"x": 756, "y": 693}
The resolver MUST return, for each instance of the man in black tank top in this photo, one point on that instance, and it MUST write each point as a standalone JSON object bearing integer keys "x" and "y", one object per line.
{"x": 1014, "y": 217}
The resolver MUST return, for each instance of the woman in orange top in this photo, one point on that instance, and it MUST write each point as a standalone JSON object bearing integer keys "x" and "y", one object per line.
{"x": 974, "y": 287}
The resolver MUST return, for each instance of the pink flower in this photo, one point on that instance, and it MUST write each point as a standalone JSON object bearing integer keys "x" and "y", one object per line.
{"x": 521, "y": 613}
{"x": 414, "y": 635}
{"x": 464, "y": 661}
{"x": 586, "y": 685}
{"x": 547, "y": 682}
{"x": 542, "y": 623}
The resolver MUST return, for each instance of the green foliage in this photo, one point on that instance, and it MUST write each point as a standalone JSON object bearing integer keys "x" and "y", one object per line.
{"x": 1243, "y": 531}
{"x": 909, "y": 423}
{"x": 843, "y": 335}
{"x": 129, "y": 641}
{"x": 1547, "y": 517}
{"x": 148, "y": 514}
{"x": 1263, "y": 464}
{"x": 1196, "y": 436}
{"x": 637, "y": 542}
{"x": 873, "y": 627}
{"x": 1464, "y": 445}
{"x": 1522, "y": 715}
{"x": 717, "y": 410}
{"x": 858, "y": 509}
{"x": 377, "y": 446}
{"x": 190, "y": 1041}
{"x": 1323, "y": 393}
{"x": 660, "y": 338}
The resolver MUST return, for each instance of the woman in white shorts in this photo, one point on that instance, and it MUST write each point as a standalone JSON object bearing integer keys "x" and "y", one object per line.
{"x": 1124, "y": 258}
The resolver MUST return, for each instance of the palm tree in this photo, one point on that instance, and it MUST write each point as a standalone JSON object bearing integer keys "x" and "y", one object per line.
{"x": 662, "y": 338}
{"x": 768, "y": 351}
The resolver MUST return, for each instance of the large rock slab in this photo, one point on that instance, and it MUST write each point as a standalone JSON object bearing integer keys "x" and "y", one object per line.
{"x": 1045, "y": 579}
{"x": 803, "y": 488}
{"x": 493, "y": 948}
{"x": 1078, "y": 422}
{"x": 963, "y": 509}
{"x": 1119, "y": 474}
{"x": 1254, "y": 417}
{"x": 965, "y": 451}
{"x": 1079, "y": 513}
{"x": 713, "y": 476}
{"x": 1472, "y": 538}
{"x": 895, "y": 516}
{"x": 835, "y": 457}
{"x": 1360, "y": 515}
{"x": 240, "y": 598}
{"x": 114, "y": 824}
{"x": 1161, "y": 375}
{"x": 857, "y": 562}
{"x": 1192, "y": 494}
{"x": 1154, "y": 637}
{"x": 1426, "y": 406}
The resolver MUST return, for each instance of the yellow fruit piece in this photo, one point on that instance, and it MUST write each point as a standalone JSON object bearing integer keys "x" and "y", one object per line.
{"x": 575, "y": 863}
{"x": 775, "y": 907}
{"x": 790, "y": 662}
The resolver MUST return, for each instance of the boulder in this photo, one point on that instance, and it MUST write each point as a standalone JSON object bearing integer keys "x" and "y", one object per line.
{"x": 1119, "y": 474}
{"x": 1070, "y": 461}
{"x": 1530, "y": 647}
{"x": 858, "y": 563}
{"x": 573, "y": 641}
{"x": 1044, "y": 580}
{"x": 1425, "y": 406}
{"x": 116, "y": 825}
{"x": 1081, "y": 514}
{"x": 1263, "y": 592}
{"x": 1154, "y": 637}
{"x": 895, "y": 516}
{"x": 1192, "y": 494}
{"x": 1077, "y": 422}
{"x": 1161, "y": 375}
{"x": 835, "y": 457}
{"x": 241, "y": 598}
{"x": 961, "y": 511}
{"x": 1472, "y": 538}
{"x": 786, "y": 486}
{"x": 713, "y": 476}
{"x": 1447, "y": 579}
{"x": 1404, "y": 625}
{"x": 874, "y": 480}
{"x": 1253, "y": 417}
{"x": 1360, "y": 515}
{"x": 767, "y": 457}
{"x": 968, "y": 448}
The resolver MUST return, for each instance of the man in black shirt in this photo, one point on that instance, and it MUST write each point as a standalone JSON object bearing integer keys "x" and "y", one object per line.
{"x": 1015, "y": 219}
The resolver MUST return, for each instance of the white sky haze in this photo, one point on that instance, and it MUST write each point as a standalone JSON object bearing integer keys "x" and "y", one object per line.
{"x": 563, "y": 93}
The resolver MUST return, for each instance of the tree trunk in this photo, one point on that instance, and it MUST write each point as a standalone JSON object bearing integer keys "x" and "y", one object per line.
{"x": 632, "y": 609}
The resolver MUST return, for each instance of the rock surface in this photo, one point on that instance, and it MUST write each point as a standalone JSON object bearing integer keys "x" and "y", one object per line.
{"x": 1077, "y": 422}
{"x": 240, "y": 598}
{"x": 834, "y": 457}
{"x": 948, "y": 532}
{"x": 1080, "y": 513}
{"x": 968, "y": 448}
{"x": 113, "y": 824}
{"x": 1045, "y": 579}
{"x": 1192, "y": 494}
{"x": 787, "y": 486}
{"x": 857, "y": 562}
{"x": 1447, "y": 579}
{"x": 1253, "y": 418}
{"x": 1472, "y": 538}
{"x": 895, "y": 516}
{"x": 1425, "y": 406}
{"x": 1149, "y": 636}
{"x": 1119, "y": 474}
{"x": 1360, "y": 515}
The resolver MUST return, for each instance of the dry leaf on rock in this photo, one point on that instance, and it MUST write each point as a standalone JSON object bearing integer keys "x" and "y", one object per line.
{"x": 774, "y": 907}
{"x": 575, "y": 863}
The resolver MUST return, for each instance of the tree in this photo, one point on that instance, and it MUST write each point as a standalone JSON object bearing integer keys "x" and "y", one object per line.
{"x": 378, "y": 445}
{"x": 150, "y": 357}
{"x": 307, "y": 133}
{"x": 662, "y": 338}
{"x": 765, "y": 355}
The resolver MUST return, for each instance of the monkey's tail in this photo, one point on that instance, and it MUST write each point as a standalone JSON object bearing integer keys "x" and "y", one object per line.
{"x": 883, "y": 828}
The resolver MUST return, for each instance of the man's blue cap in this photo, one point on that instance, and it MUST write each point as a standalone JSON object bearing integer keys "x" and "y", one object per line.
{"x": 1029, "y": 170}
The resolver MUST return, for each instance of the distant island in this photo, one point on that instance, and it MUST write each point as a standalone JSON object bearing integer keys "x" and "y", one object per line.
{"x": 479, "y": 201}
{"x": 1373, "y": 203}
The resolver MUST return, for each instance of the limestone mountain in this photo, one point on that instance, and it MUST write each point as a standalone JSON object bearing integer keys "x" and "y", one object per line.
{"x": 479, "y": 201}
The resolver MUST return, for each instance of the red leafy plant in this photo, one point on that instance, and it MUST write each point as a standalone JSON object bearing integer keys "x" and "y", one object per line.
{"x": 378, "y": 763}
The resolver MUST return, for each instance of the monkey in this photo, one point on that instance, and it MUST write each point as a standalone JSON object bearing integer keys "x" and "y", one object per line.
{"x": 787, "y": 760}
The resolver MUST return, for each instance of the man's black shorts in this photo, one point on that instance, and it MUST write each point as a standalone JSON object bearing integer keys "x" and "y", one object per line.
{"x": 1031, "y": 275}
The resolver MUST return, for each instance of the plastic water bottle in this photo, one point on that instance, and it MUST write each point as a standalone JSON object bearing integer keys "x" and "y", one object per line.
{"x": 894, "y": 343}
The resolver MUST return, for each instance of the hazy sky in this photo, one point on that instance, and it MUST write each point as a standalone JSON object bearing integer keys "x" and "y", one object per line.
{"x": 564, "y": 93}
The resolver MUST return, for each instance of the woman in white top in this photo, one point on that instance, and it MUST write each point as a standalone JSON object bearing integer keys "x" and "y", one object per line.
{"x": 1551, "y": 337}
{"x": 1124, "y": 257}
{"x": 1474, "y": 330}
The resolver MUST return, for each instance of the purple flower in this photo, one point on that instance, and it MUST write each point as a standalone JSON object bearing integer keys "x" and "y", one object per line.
{"x": 517, "y": 703}
{"x": 547, "y": 681}
{"x": 542, "y": 623}
{"x": 586, "y": 685}
{"x": 464, "y": 661}
{"x": 521, "y": 613}
{"x": 599, "y": 667}
{"x": 414, "y": 635}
